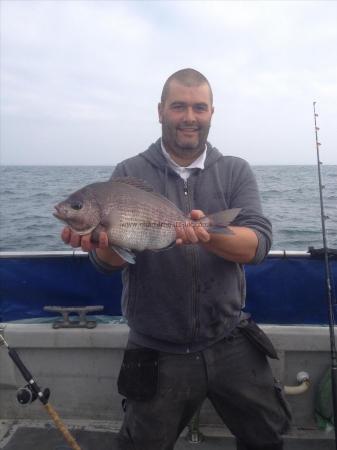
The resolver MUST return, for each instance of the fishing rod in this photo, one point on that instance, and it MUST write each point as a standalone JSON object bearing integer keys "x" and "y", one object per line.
{"x": 32, "y": 391}
{"x": 328, "y": 285}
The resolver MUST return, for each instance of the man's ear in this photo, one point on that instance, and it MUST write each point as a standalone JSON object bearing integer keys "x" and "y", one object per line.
{"x": 160, "y": 112}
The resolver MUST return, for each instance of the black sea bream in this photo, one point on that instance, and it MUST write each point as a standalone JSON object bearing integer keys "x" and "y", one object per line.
{"x": 132, "y": 214}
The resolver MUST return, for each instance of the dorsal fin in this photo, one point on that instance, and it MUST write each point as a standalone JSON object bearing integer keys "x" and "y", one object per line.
{"x": 136, "y": 182}
{"x": 141, "y": 184}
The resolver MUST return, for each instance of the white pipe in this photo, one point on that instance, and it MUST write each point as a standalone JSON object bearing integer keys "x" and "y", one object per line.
{"x": 303, "y": 380}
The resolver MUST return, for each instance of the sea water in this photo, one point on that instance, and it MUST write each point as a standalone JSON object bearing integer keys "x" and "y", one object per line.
{"x": 289, "y": 195}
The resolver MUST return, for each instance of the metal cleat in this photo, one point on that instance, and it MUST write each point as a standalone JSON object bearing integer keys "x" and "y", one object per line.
{"x": 80, "y": 311}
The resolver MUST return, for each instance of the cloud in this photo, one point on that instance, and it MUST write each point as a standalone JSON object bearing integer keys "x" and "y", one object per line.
{"x": 91, "y": 72}
{"x": 57, "y": 56}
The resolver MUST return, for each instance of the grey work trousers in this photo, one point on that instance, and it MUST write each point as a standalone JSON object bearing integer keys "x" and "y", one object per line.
{"x": 237, "y": 379}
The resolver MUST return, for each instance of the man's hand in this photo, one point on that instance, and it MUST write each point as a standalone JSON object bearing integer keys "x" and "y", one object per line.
{"x": 103, "y": 251}
{"x": 240, "y": 246}
{"x": 189, "y": 233}
{"x": 75, "y": 240}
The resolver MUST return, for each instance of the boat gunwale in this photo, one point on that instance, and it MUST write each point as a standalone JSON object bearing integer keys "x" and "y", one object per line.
{"x": 80, "y": 254}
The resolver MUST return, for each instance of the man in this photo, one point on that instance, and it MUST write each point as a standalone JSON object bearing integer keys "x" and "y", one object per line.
{"x": 189, "y": 338}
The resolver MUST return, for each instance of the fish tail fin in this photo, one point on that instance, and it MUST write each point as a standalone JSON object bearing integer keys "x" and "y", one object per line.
{"x": 219, "y": 221}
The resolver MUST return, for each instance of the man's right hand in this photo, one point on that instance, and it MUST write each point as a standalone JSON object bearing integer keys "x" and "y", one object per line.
{"x": 103, "y": 250}
{"x": 75, "y": 240}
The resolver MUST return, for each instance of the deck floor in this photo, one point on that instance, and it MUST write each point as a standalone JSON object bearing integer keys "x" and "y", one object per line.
{"x": 24, "y": 437}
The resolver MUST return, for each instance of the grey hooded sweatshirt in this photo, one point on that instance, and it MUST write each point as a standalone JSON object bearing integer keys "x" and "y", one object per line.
{"x": 187, "y": 298}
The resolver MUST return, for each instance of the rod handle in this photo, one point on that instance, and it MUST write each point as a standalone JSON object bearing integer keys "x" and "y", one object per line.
{"x": 19, "y": 364}
{"x": 61, "y": 427}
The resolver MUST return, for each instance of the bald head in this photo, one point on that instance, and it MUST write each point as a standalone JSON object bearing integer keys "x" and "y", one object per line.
{"x": 186, "y": 77}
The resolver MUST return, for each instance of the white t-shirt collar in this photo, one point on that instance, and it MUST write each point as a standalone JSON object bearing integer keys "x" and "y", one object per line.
{"x": 185, "y": 172}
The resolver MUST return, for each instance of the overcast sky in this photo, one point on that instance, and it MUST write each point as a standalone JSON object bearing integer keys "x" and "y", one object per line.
{"x": 81, "y": 79}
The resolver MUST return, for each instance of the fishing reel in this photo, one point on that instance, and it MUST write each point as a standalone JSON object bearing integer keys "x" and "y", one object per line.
{"x": 27, "y": 395}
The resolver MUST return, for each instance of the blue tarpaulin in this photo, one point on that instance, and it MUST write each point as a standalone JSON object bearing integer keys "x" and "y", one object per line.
{"x": 28, "y": 284}
{"x": 289, "y": 291}
{"x": 281, "y": 290}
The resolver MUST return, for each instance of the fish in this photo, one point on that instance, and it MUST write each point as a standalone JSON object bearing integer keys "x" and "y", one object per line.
{"x": 134, "y": 216}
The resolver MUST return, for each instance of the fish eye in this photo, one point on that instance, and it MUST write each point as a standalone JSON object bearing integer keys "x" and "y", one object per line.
{"x": 77, "y": 205}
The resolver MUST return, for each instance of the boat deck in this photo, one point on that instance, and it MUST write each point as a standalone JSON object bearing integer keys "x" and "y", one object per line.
{"x": 27, "y": 435}
{"x": 77, "y": 399}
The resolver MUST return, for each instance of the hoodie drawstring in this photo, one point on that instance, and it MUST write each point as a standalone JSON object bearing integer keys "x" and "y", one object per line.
{"x": 219, "y": 190}
{"x": 165, "y": 183}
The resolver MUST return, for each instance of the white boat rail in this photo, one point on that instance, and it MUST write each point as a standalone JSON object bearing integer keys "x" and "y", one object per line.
{"x": 80, "y": 254}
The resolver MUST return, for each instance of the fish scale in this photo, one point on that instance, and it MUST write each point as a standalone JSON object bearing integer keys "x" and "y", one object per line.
{"x": 149, "y": 228}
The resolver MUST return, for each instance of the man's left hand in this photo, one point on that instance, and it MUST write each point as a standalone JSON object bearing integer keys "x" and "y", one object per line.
{"x": 191, "y": 232}
{"x": 239, "y": 246}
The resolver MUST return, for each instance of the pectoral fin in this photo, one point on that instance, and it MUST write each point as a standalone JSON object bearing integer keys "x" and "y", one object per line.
{"x": 125, "y": 254}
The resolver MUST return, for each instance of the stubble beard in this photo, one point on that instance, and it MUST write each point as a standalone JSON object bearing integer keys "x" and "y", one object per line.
{"x": 184, "y": 149}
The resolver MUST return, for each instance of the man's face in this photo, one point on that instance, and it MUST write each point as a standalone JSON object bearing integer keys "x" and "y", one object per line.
{"x": 186, "y": 118}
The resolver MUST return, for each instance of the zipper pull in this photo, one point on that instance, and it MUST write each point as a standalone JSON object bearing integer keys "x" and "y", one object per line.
{"x": 185, "y": 188}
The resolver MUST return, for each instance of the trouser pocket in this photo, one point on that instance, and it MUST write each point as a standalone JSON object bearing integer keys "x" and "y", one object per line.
{"x": 138, "y": 377}
{"x": 257, "y": 337}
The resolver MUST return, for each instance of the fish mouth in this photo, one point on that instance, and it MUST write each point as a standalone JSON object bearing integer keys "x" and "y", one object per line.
{"x": 57, "y": 213}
